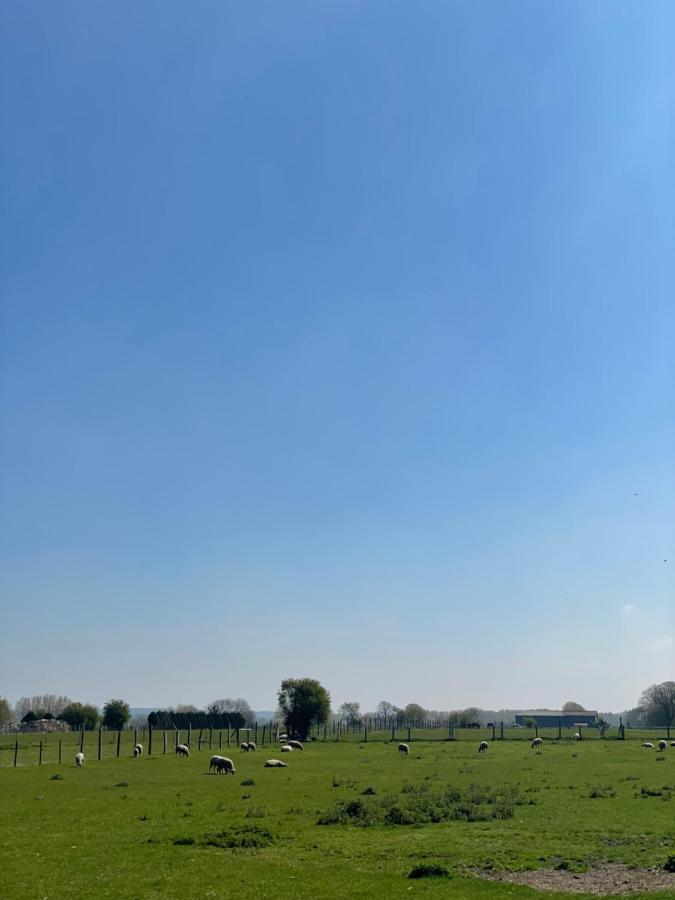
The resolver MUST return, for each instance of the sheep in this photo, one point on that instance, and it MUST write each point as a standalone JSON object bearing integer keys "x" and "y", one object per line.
{"x": 672, "y": 743}
{"x": 403, "y": 749}
{"x": 182, "y": 750}
{"x": 79, "y": 759}
{"x": 287, "y": 748}
{"x": 482, "y": 747}
{"x": 296, "y": 745}
{"x": 244, "y": 746}
{"x": 138, "y": 749}
{"x": 577, "y": 736}
{"x": 283, "y": 738}
{"x": 647, "y": 745}
{"x": 252, "y": 746}
{"x": 537, "y": 742}
{"x": 662, "y": 745}
{"x": 222, "y": 764}
{"x": 275, "y": 764}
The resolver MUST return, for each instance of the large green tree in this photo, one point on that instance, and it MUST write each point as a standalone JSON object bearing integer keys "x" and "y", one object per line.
{"x": 658, "y": 703}
{"x": 116, "y": 714}
{"x": 79, "y": 715}
{"x": 303, "y": 702}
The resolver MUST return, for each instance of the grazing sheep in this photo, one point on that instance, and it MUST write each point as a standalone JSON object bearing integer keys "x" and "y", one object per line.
{"x": 577, "y": 736}
{"x": 296, "y": 745}
{"x": 482, "y": 747}
{"x": 537, "y": 742}
{"x": 244, "y": 746}
{"x": 252, "y": 745}
{"x": 182, "y": 750}
{"x": 403, "y": 749}
{"x": 647, "y": 745}
{"x": 138, "y": 749}
{"x": 283, "y": 738}
{"x": 79, "y": 759}
{"x": 275, "y": 764}
{"x": 672, "y": 743}
{"x": 662, "y": 745}
{"x": 222, "y": 764}
{"x": 287, "y": 748}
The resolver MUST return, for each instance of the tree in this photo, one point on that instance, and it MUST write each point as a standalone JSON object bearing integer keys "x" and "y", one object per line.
{"x": 658, "y": 702}
{"x": 413, "y": 712}
{"x": 228, "y": 706}
{"x": 303, "y": 702}
{"x": 79, "y": 715}
{"x": 116, "y": 714}
{"x": 573, "y": 706}
{"x": 386, "y": 710}
{"x": 29, "y": 717}
{"x": 350, "y": 713}
{"x": 186, "y": 708}
{"x": 6, "y": 713}
{"x": 53, "y": 703}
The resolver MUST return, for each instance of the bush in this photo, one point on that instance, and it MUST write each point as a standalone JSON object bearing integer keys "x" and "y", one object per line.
{"x": 247, "y": 836}
{"x": 419, "y": 805}
{"x": 428, "y": 871}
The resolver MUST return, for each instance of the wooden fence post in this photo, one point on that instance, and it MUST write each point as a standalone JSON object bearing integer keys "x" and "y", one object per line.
{"x": 16, "y": 751}
{"x": 501, "y": 731}
{"x": 493, "y": 731}
{"x": 59, "y": 751}
{"x": 119, "y": 738}
{"x": 149, "y": 739}
{"x": 210, "y": 738}
{"x": 408, "y": 732}
{"x": 559, "y": 729}
{"x": 100, "y": 741}
{"x": 135, "y": 736}
{"x": 40, "y": 756}
{"x": 228, "y": 732}
{"x": 164, "y": 734}
{"x": 82, "y": 741}
{"x": 189, "y": 737}
{"x": 255, "y": 733}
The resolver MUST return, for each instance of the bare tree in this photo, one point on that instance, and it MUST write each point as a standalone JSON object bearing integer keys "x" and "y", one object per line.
{"x": 573, "y": 706}
{"x": 186, "y": 708}
{"x": 350, "y": 713}
{"x": 386, "y": 710}
{"x": 659, "y": 700}
{"x": 46, "y": 703}
{"x": 229, "y": 705}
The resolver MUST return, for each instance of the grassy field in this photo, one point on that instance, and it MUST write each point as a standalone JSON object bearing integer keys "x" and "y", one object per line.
{"x": 161, "y": 826}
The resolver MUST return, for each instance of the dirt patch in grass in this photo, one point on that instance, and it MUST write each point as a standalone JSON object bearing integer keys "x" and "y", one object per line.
{"x": 609, "y": 878}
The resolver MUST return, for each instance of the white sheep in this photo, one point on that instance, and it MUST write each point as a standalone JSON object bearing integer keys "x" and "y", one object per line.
{"x": 244, "y": 746}
{"x": 275, "y": 764}
{"x": 662, "y": 745}
{"x": 537, "y": 742}
{"x": 138, "y": 749}
{"x": 482, "y": 747}
{"x": 287, "y": 748}
{"x": 403, "y": 749}
{"x": 647, "y": 745}
{"x": 252, "y": 746}
{"x": 296, "y": 745}
{"x": 283, "y": 738}
{"x": 577, "y": 736}
{"x": 79, "y": 759}
{"x": 222, "y": 764}
{"x": 182, "y": 750}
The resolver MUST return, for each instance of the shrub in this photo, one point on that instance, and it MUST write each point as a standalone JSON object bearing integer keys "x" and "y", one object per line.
{"x": 428, "y": 871}
{"x": 247, "y": 836}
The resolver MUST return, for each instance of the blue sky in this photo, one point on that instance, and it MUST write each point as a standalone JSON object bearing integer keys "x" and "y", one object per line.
{"x": 337, "y": 339}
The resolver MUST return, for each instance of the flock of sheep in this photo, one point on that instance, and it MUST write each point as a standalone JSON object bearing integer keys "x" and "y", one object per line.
{"x": 224, "y": 765}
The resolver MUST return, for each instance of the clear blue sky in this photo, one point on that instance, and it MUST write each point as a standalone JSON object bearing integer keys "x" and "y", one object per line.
{"x": 338, "y": 339}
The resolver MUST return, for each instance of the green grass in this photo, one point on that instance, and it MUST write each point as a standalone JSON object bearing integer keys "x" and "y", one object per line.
{"x": 161, "y": 826}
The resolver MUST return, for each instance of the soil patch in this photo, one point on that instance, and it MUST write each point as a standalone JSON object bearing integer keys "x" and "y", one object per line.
{"x": 609, "y": 878}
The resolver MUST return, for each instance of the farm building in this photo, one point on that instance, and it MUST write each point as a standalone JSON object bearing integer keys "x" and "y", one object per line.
{"x": 551, "y": 718}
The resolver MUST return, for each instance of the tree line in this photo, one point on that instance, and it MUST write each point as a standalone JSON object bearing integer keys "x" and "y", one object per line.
{"x": 302, "y": 703}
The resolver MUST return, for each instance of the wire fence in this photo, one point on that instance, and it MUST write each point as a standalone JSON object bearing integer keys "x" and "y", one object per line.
{"x": 59, "y": 748}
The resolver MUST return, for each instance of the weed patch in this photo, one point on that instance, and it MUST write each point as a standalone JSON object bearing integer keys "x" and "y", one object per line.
{"x": 419, "y": 805}
{"x": 428, "y": 872}
{"x": 246, "y": 836}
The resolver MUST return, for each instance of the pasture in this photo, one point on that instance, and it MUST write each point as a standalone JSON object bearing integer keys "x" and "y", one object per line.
{"x": 162, "y": 826}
